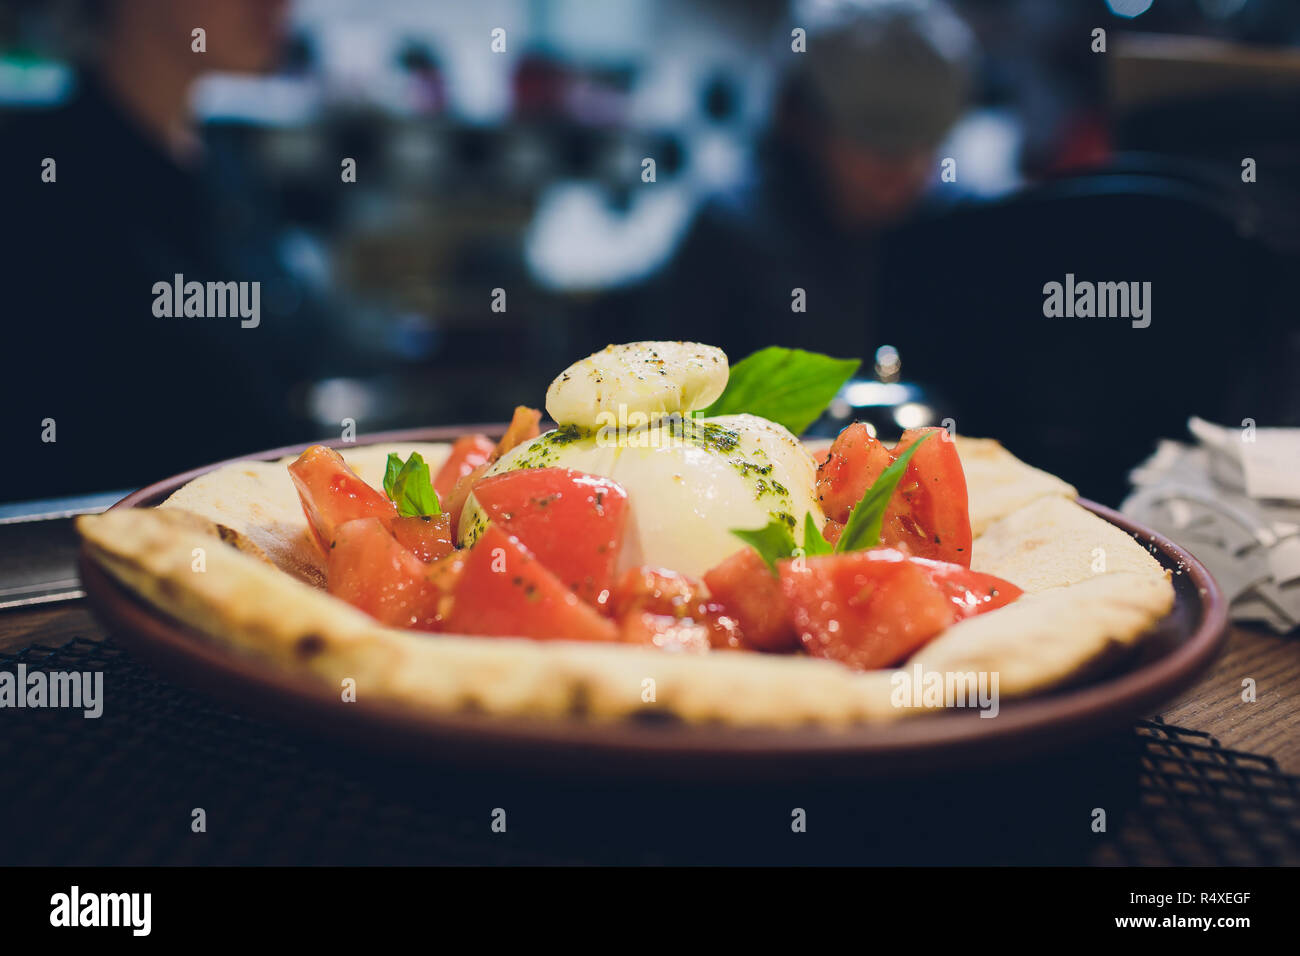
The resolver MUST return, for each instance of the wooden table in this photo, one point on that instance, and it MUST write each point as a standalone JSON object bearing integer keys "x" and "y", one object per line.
{"x": 1270, "y": 726}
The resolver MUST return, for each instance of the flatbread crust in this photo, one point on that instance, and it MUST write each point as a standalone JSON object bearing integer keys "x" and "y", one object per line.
{"x": 258, "y": 593}
{"x": 1047, "y": 637}
{"x": 257, "y": 501}
{"x": 1054, "y": 542}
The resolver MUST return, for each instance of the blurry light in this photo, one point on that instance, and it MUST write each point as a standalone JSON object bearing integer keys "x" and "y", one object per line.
{"x": 33, "y": 83}
{"x": 272, "y": 100}
{"x": 987, "y": 144}
{"x": 913, "y": 415}
{"x": 719, "y": 160}
{"x": 862, "y": 394}
{"x": 306, "y": 257}
{"x": 1129, "y": 8}
{"x": 888, "y": 363}
{"x": 334, "y": 399}
{"x": 577, "y": 241}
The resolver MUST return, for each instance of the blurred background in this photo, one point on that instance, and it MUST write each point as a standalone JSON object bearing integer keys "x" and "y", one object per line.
{"x": 504, "y": 220}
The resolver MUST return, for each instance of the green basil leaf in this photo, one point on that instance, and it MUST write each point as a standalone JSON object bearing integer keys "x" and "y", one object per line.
{"x": 391, "y": 471}
{"x": 862, "y": 530}
{"x": 813, "y": 542}
{"x": 788, "y": 386}
{"x": 772, "y": 542}
{"x": 409, "y": 486}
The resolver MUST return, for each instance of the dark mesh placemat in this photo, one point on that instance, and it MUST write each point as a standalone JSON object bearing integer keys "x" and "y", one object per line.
{"x": 1202, "y": 804}
{"x": 121, "y": 790}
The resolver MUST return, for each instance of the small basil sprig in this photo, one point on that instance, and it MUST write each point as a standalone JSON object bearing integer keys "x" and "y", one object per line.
{"x": 862, "y": 530}
{"x": 813, "y": 542}
{"x": 789, "y": 386}
{"x": 773, "y": 541}
{"x": 409, "y": 486}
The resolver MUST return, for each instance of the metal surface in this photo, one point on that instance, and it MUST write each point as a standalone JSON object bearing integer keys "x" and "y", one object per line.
{"x": 38, "y": 549}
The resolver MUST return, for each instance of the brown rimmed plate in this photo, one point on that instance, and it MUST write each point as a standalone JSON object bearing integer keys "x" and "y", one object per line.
{"x": 1179, "y": 648}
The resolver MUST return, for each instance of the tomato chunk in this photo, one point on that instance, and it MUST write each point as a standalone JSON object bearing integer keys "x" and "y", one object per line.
{"x": 503, "y": 591}
{"x": 929, "y": 511}
{"x": 928, "y": 515}
{"x": 855, "y": 461}
{"x": 332, "y": 494}
{"x": 572, "y": 522}
{"x": 428, "y": 537}
{"x": 870, "y": 609}
{"x": 665, "y": 632}
{"x": 746, "y": 587}
{"x": 671, "y": 610}
{"x": 467, "y": 454}
{"x": 970, "y": 592}
{"x": 370, "y": 570}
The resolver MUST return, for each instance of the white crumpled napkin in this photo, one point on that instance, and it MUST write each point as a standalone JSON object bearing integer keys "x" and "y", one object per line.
{"x": 1233, "y": 500}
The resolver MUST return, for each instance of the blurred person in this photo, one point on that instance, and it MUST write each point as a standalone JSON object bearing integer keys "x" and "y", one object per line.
{"x": 136, "y": 196}
{"x": 849, "y": 155}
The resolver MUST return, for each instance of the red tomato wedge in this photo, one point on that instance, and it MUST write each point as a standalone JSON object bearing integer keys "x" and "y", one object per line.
{"x": 856, "y": 460}
{"x": 333, "y": 494}
{"x": 969, "y": 592}
{"x": 428, "y": 537}
{"x": 673, "y": 611}
{"x": 746, "y": 587}
{"x": 573, "y": 523}
{"x": 870, "y": 609}
{"x": 928, "y": 515}
{"x": 503, "y": 591}
{"x": 930, "y": 511}
{"x": 371, "y": 571}
{"x": 466, "y": 454}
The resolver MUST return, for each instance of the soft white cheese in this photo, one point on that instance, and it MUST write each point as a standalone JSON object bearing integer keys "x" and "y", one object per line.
{"x": 641, "y": 380}
{"x": 689, "y": 483}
